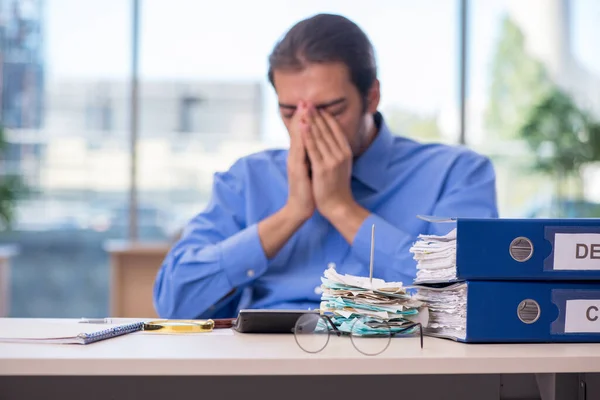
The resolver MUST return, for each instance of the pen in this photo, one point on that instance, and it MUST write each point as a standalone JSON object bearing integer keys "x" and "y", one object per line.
{"x": 95, "y": 321}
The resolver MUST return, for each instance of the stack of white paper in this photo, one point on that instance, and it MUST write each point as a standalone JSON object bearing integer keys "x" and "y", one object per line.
{"x": 350, "y": 298}
{"x": 436, "y": 257}
{"x": 447, "y": 309}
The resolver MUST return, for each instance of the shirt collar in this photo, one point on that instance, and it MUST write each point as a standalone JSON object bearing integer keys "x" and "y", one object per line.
{"x": 371, "y": 166}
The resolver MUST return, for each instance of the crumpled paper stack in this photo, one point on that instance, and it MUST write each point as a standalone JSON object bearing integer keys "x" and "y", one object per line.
{"x": 350, "y": 298}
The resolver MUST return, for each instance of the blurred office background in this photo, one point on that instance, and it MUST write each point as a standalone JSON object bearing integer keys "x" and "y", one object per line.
{"x": 518, "y": 80}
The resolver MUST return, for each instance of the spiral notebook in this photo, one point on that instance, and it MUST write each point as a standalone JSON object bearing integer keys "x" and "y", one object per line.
{"x": 66, "y": 333}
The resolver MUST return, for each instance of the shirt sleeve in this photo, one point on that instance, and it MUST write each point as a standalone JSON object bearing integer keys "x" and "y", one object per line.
{"x": 216, "y": 256}
{"x": 469, "y": 191}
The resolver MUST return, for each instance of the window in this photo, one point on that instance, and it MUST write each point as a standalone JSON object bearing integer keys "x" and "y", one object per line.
{"x": 205, "y": 101}
{"x": 523, "y": 55}
{"x": 55, "y": 56}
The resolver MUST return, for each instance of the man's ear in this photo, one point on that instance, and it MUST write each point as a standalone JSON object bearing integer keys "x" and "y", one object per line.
{"x": 373, "y": 97}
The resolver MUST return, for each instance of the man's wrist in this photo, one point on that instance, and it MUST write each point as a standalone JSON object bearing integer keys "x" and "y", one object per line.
{"x": 276, "y": 230}
{"x": 347, "y": 218}
{"x": 290, "y": 215}
{"x": 350, "y": 210}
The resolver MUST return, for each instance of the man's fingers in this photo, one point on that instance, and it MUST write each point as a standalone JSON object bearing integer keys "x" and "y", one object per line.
{"x": 298, "y": 167}
{"x": 327, "y": 135}
{"x": 318, "y": 136}
{"x": 337, "y": 134}
{"x": 311, "y": 148}
{"x": 299, "y": 123}
{"x": 296, "y": 151}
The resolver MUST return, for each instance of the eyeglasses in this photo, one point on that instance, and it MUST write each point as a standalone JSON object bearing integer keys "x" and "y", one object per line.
{"x": 369, "y": 335}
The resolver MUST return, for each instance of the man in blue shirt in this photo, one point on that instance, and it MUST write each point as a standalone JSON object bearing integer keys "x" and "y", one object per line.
{"x": 279, "y": 218}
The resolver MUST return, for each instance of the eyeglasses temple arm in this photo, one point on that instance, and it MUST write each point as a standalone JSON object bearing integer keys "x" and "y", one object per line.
{"x": 335, "y": 329}
{"x": 412, "y": 326}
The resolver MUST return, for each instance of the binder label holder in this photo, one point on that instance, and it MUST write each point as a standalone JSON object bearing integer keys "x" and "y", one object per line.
{"x": 573, "y": 248}
{"x": 582, "y": 316}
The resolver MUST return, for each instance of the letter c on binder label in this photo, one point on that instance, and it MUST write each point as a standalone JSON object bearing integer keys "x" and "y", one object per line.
{"x": 588, "y": 313}
{"x": 577, "y": 251}
{"x": 582, "y": 316}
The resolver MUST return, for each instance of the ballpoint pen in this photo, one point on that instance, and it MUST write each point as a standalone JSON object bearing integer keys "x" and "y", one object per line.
{"x": 95, "y": 321}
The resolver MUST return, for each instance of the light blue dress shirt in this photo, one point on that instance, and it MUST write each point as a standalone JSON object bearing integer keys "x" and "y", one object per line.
{"x": 218, "y": 266}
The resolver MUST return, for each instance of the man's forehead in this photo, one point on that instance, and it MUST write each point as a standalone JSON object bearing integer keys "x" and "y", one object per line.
{"x": 315, "y": 84}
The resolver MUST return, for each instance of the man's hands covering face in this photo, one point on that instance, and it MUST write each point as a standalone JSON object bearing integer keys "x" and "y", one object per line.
{"x": 331, "y": 161}
{"x": 318, "y": 136}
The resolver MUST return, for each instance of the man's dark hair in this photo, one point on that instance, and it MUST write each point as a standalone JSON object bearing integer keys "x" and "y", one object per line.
{"x": 327, "y": 38}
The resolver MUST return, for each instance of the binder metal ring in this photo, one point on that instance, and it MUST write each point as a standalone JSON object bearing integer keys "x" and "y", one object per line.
{"x": 521, "y": 249}
{"x": 528, "y": 311}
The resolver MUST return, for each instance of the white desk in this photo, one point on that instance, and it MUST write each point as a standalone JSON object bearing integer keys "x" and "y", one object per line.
{"x": 230, "y": 354}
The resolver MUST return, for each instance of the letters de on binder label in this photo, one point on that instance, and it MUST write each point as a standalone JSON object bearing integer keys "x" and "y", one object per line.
{"x": 582, "y": 316}
{"x": 577, "y": 251}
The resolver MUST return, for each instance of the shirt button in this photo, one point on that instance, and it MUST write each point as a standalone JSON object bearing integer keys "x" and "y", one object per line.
{"x": 250, "y": 273}
{"x": 318, "y": 290}
{"x": 331, "y": 265}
